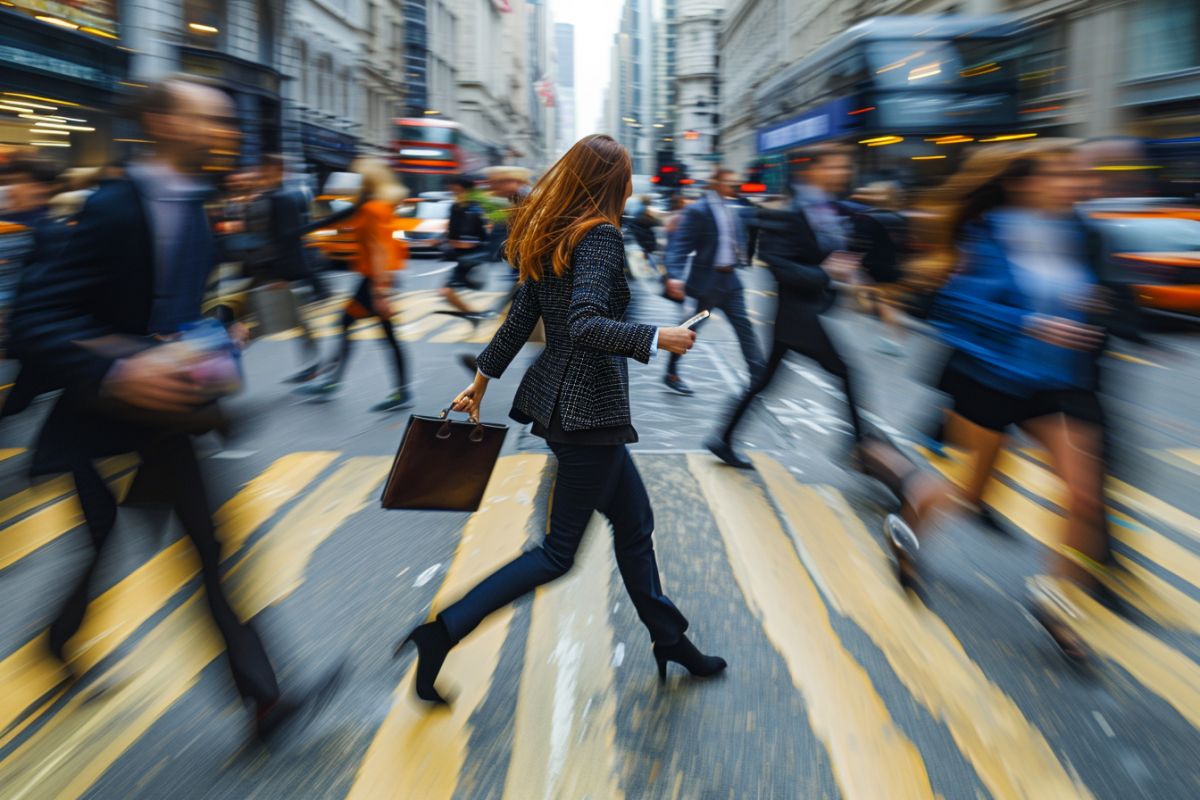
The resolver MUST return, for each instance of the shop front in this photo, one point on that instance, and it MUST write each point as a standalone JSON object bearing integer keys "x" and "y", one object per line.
{"x": 327, "y": 150}
{"x": 62, "y": 81}
{"x": 255, "y": 90}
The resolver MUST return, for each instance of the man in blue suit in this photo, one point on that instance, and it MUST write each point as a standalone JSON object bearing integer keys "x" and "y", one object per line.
{"x": 712, "y": 234}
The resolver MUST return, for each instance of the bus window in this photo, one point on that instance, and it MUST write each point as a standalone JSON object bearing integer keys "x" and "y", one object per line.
{"x": 433, "y": 134}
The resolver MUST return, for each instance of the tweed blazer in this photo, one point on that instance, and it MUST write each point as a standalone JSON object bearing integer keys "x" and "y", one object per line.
{"x": 582, "y": 371}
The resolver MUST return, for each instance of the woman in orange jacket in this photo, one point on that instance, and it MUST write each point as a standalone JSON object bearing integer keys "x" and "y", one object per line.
{"x": 378, "y": 257}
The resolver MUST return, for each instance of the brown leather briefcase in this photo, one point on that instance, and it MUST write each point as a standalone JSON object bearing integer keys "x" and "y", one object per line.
{"x": 443, "y": 464}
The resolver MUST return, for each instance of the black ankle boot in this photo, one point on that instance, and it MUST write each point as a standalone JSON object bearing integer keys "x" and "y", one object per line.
{"x": 433, "y": 643}
{"x": 685, "y": 653}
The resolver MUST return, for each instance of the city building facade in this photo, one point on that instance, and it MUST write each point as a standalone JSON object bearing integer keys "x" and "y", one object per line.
{"x": 564, "y": 81}
{"x": 633, "y": 85}
{"x": 1081, "y": 68}
{"x": 696, "y": 78}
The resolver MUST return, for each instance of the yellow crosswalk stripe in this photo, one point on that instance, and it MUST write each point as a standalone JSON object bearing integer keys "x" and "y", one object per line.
{"x": 565, "y": 725}
{"x": 419, "y": 752}
{"x": 274, "y": 567}
{"x": 1161, "y": 669}
{"x": 416, "y": 319}
{"x": 10, "y": 452}
{"x": 41, "y": 493}
{"x": 1009, "y": 754}
{"x": 845, "y": 711}
{"x": 44, "y": 526}
{"x": 1156, "y": 665}
{"x": 1158, "y": 548}
{"x": 265, "y": 494}
{"x": 79, "y": 743}
{"x": 1149, "y": 593}
{"x": 30, "y": 673}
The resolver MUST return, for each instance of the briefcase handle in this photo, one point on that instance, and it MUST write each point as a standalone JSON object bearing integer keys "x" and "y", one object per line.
{"x": 444, "y": 431}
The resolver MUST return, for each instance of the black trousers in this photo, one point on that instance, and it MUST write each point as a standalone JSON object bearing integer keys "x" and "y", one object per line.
{"x": 590, "y": 478}
{"x": 363, "y": 299}
{"x": 817, "y": 346}
{"x": 177, "y": 470}
{"x": 728, "y": 296}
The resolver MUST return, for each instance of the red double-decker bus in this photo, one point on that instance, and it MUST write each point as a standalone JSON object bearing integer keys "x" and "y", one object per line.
{"x": 427, "y": 150}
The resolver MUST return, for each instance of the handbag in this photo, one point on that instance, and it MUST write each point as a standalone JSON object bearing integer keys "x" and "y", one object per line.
{"x": 443, "y": 464}
{"x": 275, "y": 307}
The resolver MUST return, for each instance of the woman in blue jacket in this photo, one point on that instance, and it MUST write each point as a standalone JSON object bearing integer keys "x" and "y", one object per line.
{"x": 1019, "y": 315}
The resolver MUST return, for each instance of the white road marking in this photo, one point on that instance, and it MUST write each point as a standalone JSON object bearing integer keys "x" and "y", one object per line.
{"x": 1103, "y": 723}
{"x": 618, "y": 655}
{"x": 426, "y": 576}
{"x": 233, "y": 454}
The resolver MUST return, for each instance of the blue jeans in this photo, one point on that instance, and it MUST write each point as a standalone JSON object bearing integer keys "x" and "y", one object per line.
{"x": 590, "y": 478}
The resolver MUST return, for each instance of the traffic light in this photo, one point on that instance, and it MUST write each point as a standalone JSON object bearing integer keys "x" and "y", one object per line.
{"x": 672, "y": 176}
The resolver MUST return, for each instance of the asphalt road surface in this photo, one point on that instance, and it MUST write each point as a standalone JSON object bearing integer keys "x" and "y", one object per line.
{"x": 839, "y": 684}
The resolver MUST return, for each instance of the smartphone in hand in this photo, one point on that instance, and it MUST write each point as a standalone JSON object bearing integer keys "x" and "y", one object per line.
{"x": 703, "y": 315}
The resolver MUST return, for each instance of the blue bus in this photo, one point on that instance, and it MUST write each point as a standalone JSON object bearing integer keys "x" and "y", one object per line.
{"x": 910, "y": 90}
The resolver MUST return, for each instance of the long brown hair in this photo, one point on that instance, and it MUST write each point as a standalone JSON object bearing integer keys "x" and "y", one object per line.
{"x": 584, "y": 189}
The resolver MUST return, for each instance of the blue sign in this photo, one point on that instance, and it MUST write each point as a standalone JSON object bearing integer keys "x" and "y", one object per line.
{"x": 822, "y": 122}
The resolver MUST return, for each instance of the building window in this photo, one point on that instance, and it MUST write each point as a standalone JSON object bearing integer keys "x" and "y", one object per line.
{"x": 302, "y": 59}
{"x": 266, "y": 33}
{"x": 1164, "y": 37}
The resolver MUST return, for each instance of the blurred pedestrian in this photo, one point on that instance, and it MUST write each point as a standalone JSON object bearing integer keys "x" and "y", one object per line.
{"x": 507, "y": 187}
{"x": 806, "y": 245}
{"x": 643, "y": 227}
{"x": 466, "y": 243}
{"x": 567, "y": 243}
{"x": 1020, "y": 316}
{"x": 703, "y": 256}
{"x": 37, "y": 234}
{"x": 377, "y": 261}
{"x": 880, "y": 235}
{"x": 90, "y": 323}
{"x": 281, "y": 262}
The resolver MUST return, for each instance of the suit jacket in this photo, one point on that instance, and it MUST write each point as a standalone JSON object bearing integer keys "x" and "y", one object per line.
{"x": 786, "y": 243}
{"x": 697, "y": 235}
{"x": 101, "y": 285}
{"x": 284, "y": 256}
{"x": 582, "y": 369}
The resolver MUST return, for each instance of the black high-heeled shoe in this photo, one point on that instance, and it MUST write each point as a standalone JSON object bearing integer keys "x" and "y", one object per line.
{"x": 685, "y": 653}
{"x": 433, "y": 644}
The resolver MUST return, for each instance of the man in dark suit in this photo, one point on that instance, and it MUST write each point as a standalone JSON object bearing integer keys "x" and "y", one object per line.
{"x": 712, "y": 234}
{"x": 805, "y": 243}
{"x": 133, "y": 272}
{"x": 283, "y": 261}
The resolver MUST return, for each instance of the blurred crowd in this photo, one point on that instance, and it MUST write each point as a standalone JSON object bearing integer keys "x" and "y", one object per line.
{"x": 132, "y": 290}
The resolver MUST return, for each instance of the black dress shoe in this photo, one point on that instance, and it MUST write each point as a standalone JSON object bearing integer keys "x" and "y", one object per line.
{"x": 676, "y": 384}
{"x": 724, "y": 451}
{"x": 273, "y": 718}
{"x": 685, "y": 653}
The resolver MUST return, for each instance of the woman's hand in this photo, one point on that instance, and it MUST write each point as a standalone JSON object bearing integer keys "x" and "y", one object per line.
{"x": 471, "y": 398}
{"x": 676, "y": 340}
{"x": 1064, "y": 332}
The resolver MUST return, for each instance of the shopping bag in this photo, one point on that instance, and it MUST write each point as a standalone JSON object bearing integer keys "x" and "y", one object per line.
{"x": 443, "y": 464}
{"x": 275, "y": 308}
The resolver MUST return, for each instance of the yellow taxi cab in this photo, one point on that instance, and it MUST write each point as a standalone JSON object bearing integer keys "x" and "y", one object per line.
{"x": 1154, "y": 247}
{"x": 419, "y": 227}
